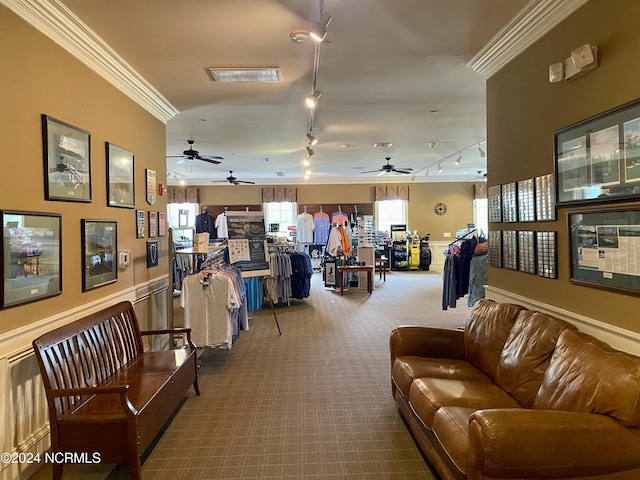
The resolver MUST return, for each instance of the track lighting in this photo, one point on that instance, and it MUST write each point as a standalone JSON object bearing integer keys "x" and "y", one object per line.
{"x": 312, "y": 100}
{"x": 459, "y": 159}
{"x": 432, "y": 144}
{"x": 312, "y": 140}
{"x": 481, "y": 152}
{"x": 310, "y": 152}
{"x": 439, "y": 168}
{"x": 319, "y": 29}
{"x": 308, "y": 172}
{"x": 306, "y": 162}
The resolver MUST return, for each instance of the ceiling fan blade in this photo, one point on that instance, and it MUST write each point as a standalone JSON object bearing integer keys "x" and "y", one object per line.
{"x": 210, "y": 157}
{"x": 372, "y": 171}
{"x": 209, "y": 160}
{"x": 406, "y": 172}
{"x": 382, "y": 172}
{"x": 175, "y": 156}
{"x": 219, "y": 181}
{"x": 244, "y": 181}
{"x": 184, "y": 160}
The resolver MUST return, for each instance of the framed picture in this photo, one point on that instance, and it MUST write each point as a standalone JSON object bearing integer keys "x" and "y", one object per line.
{"x": 598, "y": 159}
{"x": 99, "y": 252}
{"x": 152, "y": 253}
{"x": 603, "y": 248}
{"x": 495, "y": 203}
{"x": 67, "y": 161}
{"x": 31, "y": 257}
{"x": 546, "y": 254}
{"x": 509, "y": 203}
{"x": 526, "y": 201}
{"x": 151, "y": 186}
{"x": 162, "y": 224}
{"x": 120, "y": 177}
{"x": 153, "y": 224}
{"x": 545, "y": 198}
{"x": 140, "y": 223}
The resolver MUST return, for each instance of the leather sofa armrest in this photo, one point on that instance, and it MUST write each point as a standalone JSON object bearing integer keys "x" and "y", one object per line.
{"x": 426, "y": 342}
{"x": 527, "y": 443}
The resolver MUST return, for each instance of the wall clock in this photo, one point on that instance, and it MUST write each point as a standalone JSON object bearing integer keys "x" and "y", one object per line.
{"x": 440, "y": 209}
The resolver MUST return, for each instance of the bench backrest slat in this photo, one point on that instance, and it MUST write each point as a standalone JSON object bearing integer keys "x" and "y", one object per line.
{"x": 87, "y": 352}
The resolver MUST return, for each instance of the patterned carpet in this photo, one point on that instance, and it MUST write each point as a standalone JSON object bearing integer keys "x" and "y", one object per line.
{"x": 314, "y": 403}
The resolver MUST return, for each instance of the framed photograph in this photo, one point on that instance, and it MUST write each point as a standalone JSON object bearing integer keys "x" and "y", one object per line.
{"x": 67, "y": 161}
{"x": 526, "y": 201}
{"x": 603, "y": 248}
{"x": 140, "y": 223}
{"x": 546, "y": 254}
{"x": 120, "y": 177}
{"x": 509, "y": 203}
{"x": 495, "y": 248}
{"x": 545, "y": 198}
{"x": 598, "y": 159}
{"x": 509, "y": 249}
{"x": 151, "y": 186}
{"x": 153, "y": 224}
{"x": 495, "y": 203}
{"x": 31, "y": 257}
{"x": 526, "y": 251}
{"x": 99, "y": 253}
{"x": 162, "y": 224}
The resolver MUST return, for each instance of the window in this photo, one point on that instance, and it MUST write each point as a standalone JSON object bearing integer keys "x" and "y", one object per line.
{"x": 390, "y": 212}
{"x": 282, "y": 214}
{"x": 176, "y": 214}
{"x": 481, "y": 216}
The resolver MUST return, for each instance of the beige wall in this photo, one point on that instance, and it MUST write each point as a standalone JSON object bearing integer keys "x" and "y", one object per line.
{"x": 422, "y": 199}
{"x": 523, "y": 112}
{"x": 39, "y": 77}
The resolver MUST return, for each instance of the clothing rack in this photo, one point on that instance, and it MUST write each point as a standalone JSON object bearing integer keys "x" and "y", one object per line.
{"x": 461, "y": 237}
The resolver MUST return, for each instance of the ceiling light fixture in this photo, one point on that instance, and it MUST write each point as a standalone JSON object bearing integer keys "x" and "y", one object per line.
{"x": 319, "y": 29}
{"x": 234, "y": 75}
{"x": 481, "y": 152}
{"x": 312, "y": 140}
{"x": 310, "y": 152}
{"x": 312, "y": 100}
{"x": 459, "y": 159}
{"x": 439, "y": 168}
{"x": 432, "y": 144}
{"x": 306, "y": 162}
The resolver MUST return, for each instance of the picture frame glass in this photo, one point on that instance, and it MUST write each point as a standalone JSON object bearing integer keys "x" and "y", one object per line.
{"x": 67, "y": 161}
{"x": 99, "y": 251}
{"x": 598, "y": 159}
{"x": 120, "y": 177}
{"x": 31, "y": 257}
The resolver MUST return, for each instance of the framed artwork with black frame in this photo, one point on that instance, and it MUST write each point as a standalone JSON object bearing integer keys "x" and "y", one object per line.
{"x": 140, "y": 221}
{"x": 120, "y": 177}
{"x": 603, "y": 248}
{"x": 67, "y": 161}
{"x": 31, "y": 257}
{"x": 153, "y": 224}
{"x": 598, "y": 159}
{"x": 99, "y": 253}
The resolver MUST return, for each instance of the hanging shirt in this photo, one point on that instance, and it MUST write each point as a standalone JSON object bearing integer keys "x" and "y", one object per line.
{"x": 334, "y": 243}
{"x": 339, "y": 218}
{"x": 304, "y": 228}
{"x": 321, "y": 226}
{"x": 205, "y": 224}
{"x": 221, "y": 226}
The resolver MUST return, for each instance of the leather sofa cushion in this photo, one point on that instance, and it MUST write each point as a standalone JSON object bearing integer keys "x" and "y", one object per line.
{"x": 486, "y": 332}
{"x": 427, "y": 395}
{"x": 526, "y": 354}
{"x": 409, "y": 367}
{"x": 587, "y": 375}
{"x": 451, "y": 428}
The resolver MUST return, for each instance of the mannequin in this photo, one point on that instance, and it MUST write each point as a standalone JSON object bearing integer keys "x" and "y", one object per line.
{"x": 205, "y": 223}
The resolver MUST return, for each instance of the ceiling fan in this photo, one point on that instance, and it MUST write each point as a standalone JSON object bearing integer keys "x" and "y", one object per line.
{"x": 388, "y": 168}
{"x": 191, "y": 154}
{"x": 233, "y": 180}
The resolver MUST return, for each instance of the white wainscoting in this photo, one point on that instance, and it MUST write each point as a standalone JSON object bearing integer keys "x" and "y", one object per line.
{"x": 437, "y": 254}
{"x": 619, "y": 338}
{"x": 23, "y": 408}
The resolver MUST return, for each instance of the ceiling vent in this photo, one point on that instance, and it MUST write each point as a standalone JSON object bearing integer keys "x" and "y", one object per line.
{"x": 236, "y": 75}
{"x": 383, "y": 145}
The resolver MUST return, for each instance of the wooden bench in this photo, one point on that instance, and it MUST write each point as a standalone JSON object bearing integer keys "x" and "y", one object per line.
{"x": 105, "y": 394}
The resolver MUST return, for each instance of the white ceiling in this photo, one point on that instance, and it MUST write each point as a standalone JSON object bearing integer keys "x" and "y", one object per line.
{"x": 396, "y": 71}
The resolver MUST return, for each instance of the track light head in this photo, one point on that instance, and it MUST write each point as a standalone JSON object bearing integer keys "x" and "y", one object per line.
{"x": 459, "y": 159}
{"x": 432, "y": 144}
{"x": 312, "y": 100}
{"x": 439, "y": 168}
{"x": 310, "y": 152}
{"x": 312, "y": 140}
{"x": 319, "y": 29}
{"x": 481, "y": 152}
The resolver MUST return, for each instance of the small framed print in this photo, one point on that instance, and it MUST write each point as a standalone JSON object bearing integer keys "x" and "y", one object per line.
{"x": 153, "y": 252}
{"x": 30, "y": 257}
{"x": 153, "y": 224}
{"x": 99, "y": 252}
{"x": 151, "y": 186}
{"x": 509, "y": 203}
{"x": 162, "y": 224}
{"x": 495, "y": 203}
{"x": 67, "y": 161}
{"x": 140, "y": 224}
{"x": 526, "y": 200}
{"x": 120, "y": 178}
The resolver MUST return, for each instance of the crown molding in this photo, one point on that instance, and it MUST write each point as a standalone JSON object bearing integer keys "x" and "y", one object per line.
{"x": 535, "y": 20}
{"x": 57, "y": 22}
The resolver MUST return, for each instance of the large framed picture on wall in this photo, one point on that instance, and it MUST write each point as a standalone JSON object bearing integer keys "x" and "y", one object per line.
{"x": 598, "y": 159}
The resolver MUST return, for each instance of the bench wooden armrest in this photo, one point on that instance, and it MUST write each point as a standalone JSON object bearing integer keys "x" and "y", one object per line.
{"x": 185, "y": 331}
{"x": 121, "y": 390}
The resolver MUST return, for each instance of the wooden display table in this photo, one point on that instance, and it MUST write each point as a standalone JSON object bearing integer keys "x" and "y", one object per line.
{"x": 381, "y": 263}
{"x": 343, "y": 269}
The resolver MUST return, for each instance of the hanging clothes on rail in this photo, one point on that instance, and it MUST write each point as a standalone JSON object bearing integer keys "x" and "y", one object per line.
{"x": 301, "y": 273}
{"x": 321, "y": 226}
{"x": 214, "y": 306}
{"x": 304, "y": 227}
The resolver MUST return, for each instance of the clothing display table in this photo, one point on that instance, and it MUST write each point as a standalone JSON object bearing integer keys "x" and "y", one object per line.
{"x": 343, "y": 269}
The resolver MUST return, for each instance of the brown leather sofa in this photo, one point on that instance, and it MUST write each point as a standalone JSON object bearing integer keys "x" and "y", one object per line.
{"x": 518, "y": 394}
